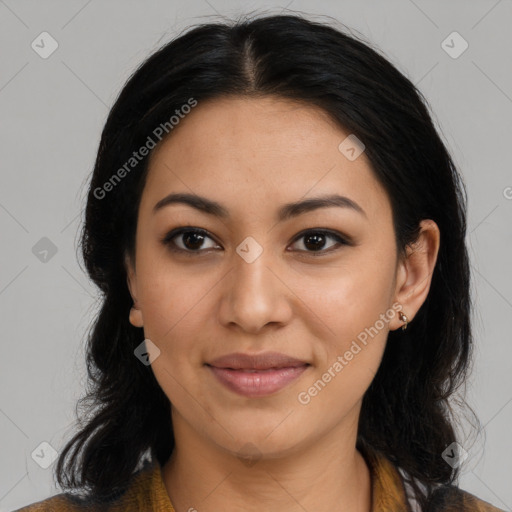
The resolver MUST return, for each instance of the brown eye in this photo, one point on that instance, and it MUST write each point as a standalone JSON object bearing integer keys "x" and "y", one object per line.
{"x": 192, "y": 240}
{"x": 315, "y": 242}
{"x": 318, "y": 241}
{"x": 188, "y": 240}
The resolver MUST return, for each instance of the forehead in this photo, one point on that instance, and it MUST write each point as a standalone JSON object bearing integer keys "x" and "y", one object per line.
{"x": 260, "y": 152}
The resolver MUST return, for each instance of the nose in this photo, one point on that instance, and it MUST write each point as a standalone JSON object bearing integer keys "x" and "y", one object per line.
{"x": 254, "y": 296}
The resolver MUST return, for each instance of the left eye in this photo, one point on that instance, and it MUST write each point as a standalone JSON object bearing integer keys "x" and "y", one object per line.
{"x": 315, "y": 241}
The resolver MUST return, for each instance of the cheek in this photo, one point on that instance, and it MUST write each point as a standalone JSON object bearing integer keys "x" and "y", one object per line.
{"x": 166, "y": 292}
{"x": 174, "y": 319}
{"x": 176, "y": 308}
{"x": 349, "y": 299}
{"x": 354, "y": 306}
{"x": 348, "y": 357}
{"x": 360, "y": 326}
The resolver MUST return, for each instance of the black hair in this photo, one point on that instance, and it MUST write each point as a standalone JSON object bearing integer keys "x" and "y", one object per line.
{"x": 406, "y": 410}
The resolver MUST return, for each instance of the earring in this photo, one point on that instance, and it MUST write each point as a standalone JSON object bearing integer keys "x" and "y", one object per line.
{"x": 403, "y": 318}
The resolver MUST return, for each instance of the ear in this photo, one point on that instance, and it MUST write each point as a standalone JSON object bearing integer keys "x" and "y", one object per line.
{"x": 414, "y": 274}
{"x": 135, "y": 316}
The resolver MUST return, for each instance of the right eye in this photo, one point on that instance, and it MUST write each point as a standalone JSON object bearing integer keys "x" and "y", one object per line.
{"x": 188, "y": 240}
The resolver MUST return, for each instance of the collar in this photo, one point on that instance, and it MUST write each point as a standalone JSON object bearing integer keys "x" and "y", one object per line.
{"x": 388, "y": 490}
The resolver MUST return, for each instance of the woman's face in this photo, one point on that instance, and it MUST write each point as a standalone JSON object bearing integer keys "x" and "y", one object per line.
{"x": 265, "y": 277}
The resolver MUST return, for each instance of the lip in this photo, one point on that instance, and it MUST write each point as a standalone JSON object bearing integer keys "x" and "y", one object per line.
{"x": 257, "y": 375}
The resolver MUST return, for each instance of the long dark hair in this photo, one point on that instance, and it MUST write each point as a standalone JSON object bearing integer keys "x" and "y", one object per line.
{"x": 405, "y": 412}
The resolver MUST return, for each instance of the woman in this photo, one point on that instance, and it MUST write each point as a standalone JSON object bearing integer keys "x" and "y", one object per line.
{"x": 279, "y": 235}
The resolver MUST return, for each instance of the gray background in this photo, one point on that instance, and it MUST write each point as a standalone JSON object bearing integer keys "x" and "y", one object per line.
{"x": 52, "y": 111}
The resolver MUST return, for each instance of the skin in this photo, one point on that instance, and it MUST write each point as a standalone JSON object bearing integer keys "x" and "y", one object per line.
{"x": 253, "y": 156}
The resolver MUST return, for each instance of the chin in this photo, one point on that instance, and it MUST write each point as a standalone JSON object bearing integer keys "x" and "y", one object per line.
{"x": 264, "y": 443}
{"x": 252, "y": 450}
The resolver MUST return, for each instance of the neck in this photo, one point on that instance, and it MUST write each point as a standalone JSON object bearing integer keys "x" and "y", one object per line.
{"x": 325, "y": 476}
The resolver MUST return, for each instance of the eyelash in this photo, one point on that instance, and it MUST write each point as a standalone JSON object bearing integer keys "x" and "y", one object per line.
{"x": 167, "y": 240}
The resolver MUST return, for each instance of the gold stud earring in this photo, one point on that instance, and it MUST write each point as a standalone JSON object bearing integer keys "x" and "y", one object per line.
{"x": 403, "y": 318}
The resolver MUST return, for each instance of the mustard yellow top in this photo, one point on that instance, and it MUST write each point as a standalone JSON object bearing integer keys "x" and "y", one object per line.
{"x": 147, "y": 492}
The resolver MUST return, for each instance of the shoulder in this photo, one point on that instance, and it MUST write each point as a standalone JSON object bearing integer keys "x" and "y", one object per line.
{"x": 449, "y": 498}
{"x": 134, "y": 498}
{"x": 54, "y": 504}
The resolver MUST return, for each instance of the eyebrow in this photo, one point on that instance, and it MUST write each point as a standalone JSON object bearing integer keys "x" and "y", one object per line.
{"x": 286, "y": 212}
